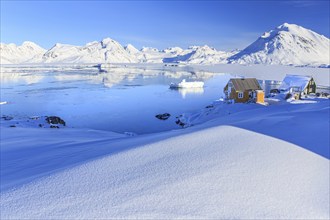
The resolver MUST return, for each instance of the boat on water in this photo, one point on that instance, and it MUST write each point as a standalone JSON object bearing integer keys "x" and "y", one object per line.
{"x": 185, "y": 84}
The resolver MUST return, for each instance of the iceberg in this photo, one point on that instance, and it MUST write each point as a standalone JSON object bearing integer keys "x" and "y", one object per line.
{"x": 185, "y": 84}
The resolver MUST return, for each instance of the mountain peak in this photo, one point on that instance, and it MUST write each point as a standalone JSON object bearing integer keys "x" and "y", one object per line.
{"x": 108, "y": 42}
{"x": 130, "y": 46}
{"x": 287, "y": 44}
{"x": 206, "y": 48}
{"x": 286, "y": 26}
{"x": 144, "y": 49}
{"x": 292, "y": 28}
{"x": 29, "y": 43}
{"x": 131, "y": 49}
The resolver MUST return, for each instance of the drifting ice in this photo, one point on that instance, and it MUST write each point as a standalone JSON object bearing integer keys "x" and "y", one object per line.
{"x": 184, "y": 84}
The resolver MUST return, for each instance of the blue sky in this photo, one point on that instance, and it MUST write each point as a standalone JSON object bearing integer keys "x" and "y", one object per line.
{"x": 224, "y": 25}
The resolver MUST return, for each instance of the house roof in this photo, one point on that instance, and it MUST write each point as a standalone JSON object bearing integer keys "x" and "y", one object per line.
{"x": 242, "y": 84}
{"x": 295, "y": 81}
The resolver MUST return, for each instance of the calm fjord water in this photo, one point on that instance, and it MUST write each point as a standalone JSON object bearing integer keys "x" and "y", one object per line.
{"x": 123, "y": 100}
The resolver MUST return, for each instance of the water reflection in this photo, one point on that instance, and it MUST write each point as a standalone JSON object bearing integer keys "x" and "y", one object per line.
{"x": 20, "y": 78}
{"x": 110, "y": 78}
{"x": 185, "y": 91}
{"x": 120, "y": 100}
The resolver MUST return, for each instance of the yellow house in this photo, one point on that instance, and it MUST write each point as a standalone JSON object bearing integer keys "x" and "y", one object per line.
{"x": 242, "y": 90}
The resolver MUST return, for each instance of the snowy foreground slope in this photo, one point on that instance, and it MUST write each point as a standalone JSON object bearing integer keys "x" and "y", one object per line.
{"x": 213, "y": 170}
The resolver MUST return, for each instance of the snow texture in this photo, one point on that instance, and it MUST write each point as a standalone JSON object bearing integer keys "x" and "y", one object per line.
{"x": 221, "y": 172}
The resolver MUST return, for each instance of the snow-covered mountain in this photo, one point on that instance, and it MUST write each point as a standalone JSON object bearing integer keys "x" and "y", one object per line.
{"x": 174, "y": 50}
{"x": 27, "y": 52}
{"x": 151, "y": 55}
{"x": 200, "y": 55}
{"x": 132, "y": 50}
{"x": 288, "y": 44}
{"x": 107, "y": 50}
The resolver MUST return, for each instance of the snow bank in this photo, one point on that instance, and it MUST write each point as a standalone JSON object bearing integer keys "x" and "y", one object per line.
{"x": 220, "y": 172}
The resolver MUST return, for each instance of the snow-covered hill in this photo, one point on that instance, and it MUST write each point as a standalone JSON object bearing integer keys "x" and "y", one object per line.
{"x": 27, "y": 52}
{"x": 288, "y": 44}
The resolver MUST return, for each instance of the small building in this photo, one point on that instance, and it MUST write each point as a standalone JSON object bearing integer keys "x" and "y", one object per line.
{"x": 244, "y": 90}
{"x": 298, "y": 85}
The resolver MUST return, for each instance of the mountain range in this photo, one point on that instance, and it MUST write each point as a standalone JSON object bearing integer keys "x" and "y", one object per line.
{"x": 287, "y": 44}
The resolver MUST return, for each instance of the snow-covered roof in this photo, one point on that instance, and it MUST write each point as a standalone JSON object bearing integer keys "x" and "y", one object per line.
{"x": 295, "y": 81}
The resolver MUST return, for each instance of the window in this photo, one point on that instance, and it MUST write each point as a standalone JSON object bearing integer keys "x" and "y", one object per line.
{"x": 240, "y": 95}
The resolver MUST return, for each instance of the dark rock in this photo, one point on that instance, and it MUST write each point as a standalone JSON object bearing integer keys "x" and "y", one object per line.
{"x": 289, "y": 95}
{"x": 7, "y": 117}
{"x": 40, "y": 125}
{"x": 54, "y": 126}
{"x": 55, "y": 120}
{"x": 179, "y": 122}
{"x": 274, "y": 91}
{"x": 12, "y": 126}
{"x": 164, "y": 116}
{"x": 35, "y": 118}
{"x": 209, "y": 106}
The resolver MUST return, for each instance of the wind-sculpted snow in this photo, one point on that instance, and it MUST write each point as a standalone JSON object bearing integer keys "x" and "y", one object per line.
{"x": 220, "y": 172}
